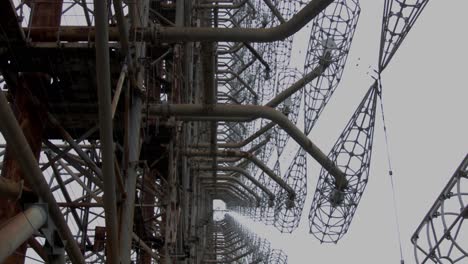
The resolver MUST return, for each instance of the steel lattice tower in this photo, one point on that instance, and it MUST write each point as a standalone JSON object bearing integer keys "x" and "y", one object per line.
{"x": 123, "y": 120}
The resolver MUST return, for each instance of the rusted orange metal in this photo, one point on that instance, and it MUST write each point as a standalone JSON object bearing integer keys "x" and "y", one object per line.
{"x": 47, "y": 13}
{"x": 31, "y": 113}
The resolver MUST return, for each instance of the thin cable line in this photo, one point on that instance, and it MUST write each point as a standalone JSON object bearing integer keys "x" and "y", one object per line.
{"x": 390, "y": 171}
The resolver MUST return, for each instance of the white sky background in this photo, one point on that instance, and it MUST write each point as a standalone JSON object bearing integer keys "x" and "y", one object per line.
{"x": 425, "y": 99}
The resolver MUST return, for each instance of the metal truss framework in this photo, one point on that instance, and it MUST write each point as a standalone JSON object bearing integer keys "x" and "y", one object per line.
{"x": 124, "y": 178}
{"x": 439, "y": 238}
{"x": 123, "y": 122}
{"x": 231, "y": 242}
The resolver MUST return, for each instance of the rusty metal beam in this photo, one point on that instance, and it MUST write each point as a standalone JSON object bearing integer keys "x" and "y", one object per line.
{"x": 27, "y": 162}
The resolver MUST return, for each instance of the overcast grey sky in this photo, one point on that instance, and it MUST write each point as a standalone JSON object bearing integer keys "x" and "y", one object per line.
{"x": 425, "y": 105}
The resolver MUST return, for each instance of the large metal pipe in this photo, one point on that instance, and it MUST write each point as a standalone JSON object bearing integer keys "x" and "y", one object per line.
{"x": 235, "y": 178}
{"x": 235, "y": 197}
{"x": 225, "y": 193}
{"x": 227, "y": 181}
{"x": 105, "y": 127}
{"x": 255, "y": 160}
{"x": 246, "y": 174}
{"x": 13, "y": 134}
{"x": 172, "y": 34}
{"x": 176, "y": 34}
{"x": 248, "y": 193}
{"x": 242, "y": 143}
{"x": 19, "y": 228}
{"x": 318, "y": 71}
{"x": 232, "y": 49}
{"x": 246, "y": 112}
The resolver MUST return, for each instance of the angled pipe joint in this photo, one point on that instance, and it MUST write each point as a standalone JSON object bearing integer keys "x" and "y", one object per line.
{"x": 229, "y": 193}
{"x": 230, "y": 180}
{"x": 243, "y": 172}
{"x": 244, "y": 142}
{"x": 232, "y": 49}
{"x": 234, "y": 190}
{"x": 251, "y": 157}
{"x": 176, "y": 34}
{"x": 252, "y": 194}
{"x": 193, "y": 34}
{"x": 324, "y": 63}
{"x": 246, "y": 113}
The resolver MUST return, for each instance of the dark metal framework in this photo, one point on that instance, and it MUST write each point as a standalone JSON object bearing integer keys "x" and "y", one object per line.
{"x": 123, "y": 120}
{"x": 440, "y": 236}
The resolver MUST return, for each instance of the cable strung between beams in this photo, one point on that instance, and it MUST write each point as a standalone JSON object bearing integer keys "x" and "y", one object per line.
{"x": 390, "y": 170}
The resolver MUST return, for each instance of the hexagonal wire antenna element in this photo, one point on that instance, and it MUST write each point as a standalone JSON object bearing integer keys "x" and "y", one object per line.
{"x": 288, "y": 213}
{"x": 331, "y": 36}
{"x": 268, "y": 216}
{"x": 441, "y": 236}
{"x": 290, "y": 106}
{"x": 399, "y": 18}
{"x": 333, "y": 208}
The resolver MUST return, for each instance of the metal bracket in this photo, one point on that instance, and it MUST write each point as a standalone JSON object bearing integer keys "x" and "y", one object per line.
{"x": 54, "y": 244}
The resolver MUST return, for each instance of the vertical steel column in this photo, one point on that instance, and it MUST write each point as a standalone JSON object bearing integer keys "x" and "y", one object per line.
{"x": 183, "y": 19}
{"x": 127, "y": 213}
{"x": 138, "y": 13}
{"x": 105, "y": 126}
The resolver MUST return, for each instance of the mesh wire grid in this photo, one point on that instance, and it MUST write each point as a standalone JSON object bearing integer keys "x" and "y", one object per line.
{"x": 331, "y": 34}
{"x": 332, "y": 209}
